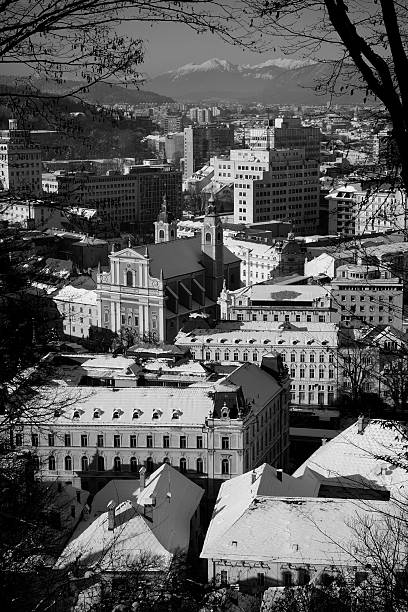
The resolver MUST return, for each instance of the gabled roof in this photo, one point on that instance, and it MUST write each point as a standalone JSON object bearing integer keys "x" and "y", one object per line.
{"x": 359, "y": 460}
{"x": 257, "y": 386}
{"x": 179, "y": 257}
{"x": 236, "y": 495}
{"x": 295, "y": 530}
{"x": 162, "y": 531}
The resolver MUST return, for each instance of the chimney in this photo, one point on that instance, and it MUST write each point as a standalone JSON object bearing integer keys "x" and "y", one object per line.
{"x": 12, "y": 124}
{"x": 142, "y": 477}
{"x": 253, "y": 476}
{"x": 111, "y": 515}
{"x": 324, "y": 440}
{"x": 360, "y": 424}
{"x": 279, "y": 473}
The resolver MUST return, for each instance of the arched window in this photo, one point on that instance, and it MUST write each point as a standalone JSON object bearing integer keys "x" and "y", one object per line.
{"x": 236, "y": 356}
{"x": 199, "y": 466}
{"x": 36, "y": 463}
{"x": 115, "y": 414}
{"x": 183, "y": 464}
{"x": 149, "y": 464}
{"x": 135, "y": 414}
{"x": 208, "y": 238}
{"x": 68, "y": 464}
{"x": 217, "y": 356}
{"x": 101, "y": 463}
{"x": 129, "y": 278}
{"x": 133, "y": 464}
{"x": 84, "y": 464}
{"x": 226, "y": 356}
{"x": 161, "y": 234}
{"x": 166, "y": 460}
{"x": 76, "y": 414}
{"x": 96, "y": 414}
{"x": 254, "y": 356}
{"x": 245, "y": 356}
{"x": 225, "y": 468}
{"x": 51, "y": 463}
{"x": 117, "y": 465}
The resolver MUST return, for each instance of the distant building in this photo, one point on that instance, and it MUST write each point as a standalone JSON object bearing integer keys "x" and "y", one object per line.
{"x": 20, "y": 162}
{"x": 354, "y": 211}
{"x": 308, "y": 350}
{"x": 287, "y": 133}
{"x": 361, "y": 293}
{"x": 276, "y": 184}
{"x": 125, "y": 200}
{"x": 278, "y": 303}
{"x": 261, "y": 261}
{"x": 78, "y": 309}
{"x": 32, "y": 214}
{"x": 203, "y": 142}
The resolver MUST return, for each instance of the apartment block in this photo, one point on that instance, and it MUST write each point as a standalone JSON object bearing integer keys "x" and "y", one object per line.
{"x": 287, "y": 133}
{"x": 20, "y": 162}
{"x": 204, "y": 141}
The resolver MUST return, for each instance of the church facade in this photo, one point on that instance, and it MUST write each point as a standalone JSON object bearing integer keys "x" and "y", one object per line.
{"x": 152, "y": 290}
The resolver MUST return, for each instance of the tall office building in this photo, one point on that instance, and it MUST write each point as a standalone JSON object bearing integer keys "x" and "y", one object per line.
{"x": 279, "y": 184}
{"x": 287, "y": 133}
{"x": 204, "y": 141}
{"x": 20, "y": 162}
{"x": 123, "y": 200}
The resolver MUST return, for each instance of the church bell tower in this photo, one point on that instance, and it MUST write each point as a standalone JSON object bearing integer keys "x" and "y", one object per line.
{"x": 164, "y": 230}
{"x": 212, "y": 249}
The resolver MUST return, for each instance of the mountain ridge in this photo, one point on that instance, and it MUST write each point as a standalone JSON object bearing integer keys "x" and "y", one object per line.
{"x": 274, "y": 81}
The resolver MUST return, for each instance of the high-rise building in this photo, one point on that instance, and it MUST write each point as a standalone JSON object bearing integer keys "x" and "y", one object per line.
{"x": 287, "y": 133}
{"x": 204, "y": 141}
{"x": 134, "y": 198}
{"x": 274, "y": 184}
{"x": 20, "y": 162}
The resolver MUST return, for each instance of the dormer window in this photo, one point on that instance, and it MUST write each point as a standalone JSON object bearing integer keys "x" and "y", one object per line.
{"x": 156, "y": 414}
{"x": 225, "y": 412}
{"x": 115, "y": 414}
{"x": 176, "y": 414}
{"x": 57, "y": 413}
{"x": 96, "y": 414}
{"x": 76, "y": 415}
{"x": 135, "y": 414}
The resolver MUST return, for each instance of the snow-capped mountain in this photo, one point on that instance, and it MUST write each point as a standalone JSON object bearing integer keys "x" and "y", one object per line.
{"x": 274, "y": 81}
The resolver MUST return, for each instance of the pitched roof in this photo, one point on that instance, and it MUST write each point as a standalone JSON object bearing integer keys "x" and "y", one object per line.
{"x": 294, "y": 530}
{"x": 257, "y": 386}
{"x": 172, "y": 500}
{"x": 359, "y": 460}
{"x": 179, "y": 257}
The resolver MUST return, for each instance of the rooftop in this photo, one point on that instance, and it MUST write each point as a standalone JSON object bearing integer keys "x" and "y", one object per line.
{"x": 361, "y": 460}
{"x": 282, "y": 293}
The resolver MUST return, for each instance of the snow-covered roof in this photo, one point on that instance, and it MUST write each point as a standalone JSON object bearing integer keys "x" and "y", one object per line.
{"x": 140, "y": 405}
{"x": 359, "y": 460}
{"x": 75, "y": 295}
{"x": 293, "y": 530}
{"x": 162, "y": 531}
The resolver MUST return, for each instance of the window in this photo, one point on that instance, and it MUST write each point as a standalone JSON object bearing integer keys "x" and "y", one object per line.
{"x": 207, "y": 356}
{"x": 292, "y": 357}
{"x": 199, "y": 441}
{"x": 183, "y": 442}
{"x": 236, "y": 356}
{"x": 67, "y": 439}
{"x": 303, "y": 577}
{"x": 225, "y": 466}
{"x": 312, "y": 358}
{"x": 331, "y": 358}
{"x": 51, "y": 463}
{"x": 321, "y": 358}
{"x": 76, "y": 414}
{"x": 129, "y": 278}
{"x": 68, "y": 464}
{"x": 34, "y": 439}
{"x": 287, "y": 579}
{"x": 96, "y": 414}
{"x": 224, "y": 577}
{"x": 115, "y": 414}
{"x": 225, "y": 443}
{"x": 18, "y": 439}
{"x": 84, "y": 464}
{"x": 254, "y": 356}
{"x": 260, "y": 579}
{"x": 133, "y": 441}
{"x": 149, "y": 441}
{"x": 149, "y": 464}
{"x": 226, "y": 356}
{"x": 99, "y": 440}
{"x": 116, "y": 441}
{"x": 101, "y": 463}
{"x": 321, "y": 373}
{"x": 311, "y": 373}
{"x": 166, "y": 441}
{"x": 84, "y": 440}
{"x": 117, "y": 464}
{"x": 199, "y": 466}
{"x": 245, "y": 356}
{"x": 133, "y": 464}
{"x": 208, "y": 238}
{"x": 217, "y": 356}
{"x": 302, "y": 358}
{"x": 51, "y": 439}
{"x": 183, "y": 464}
